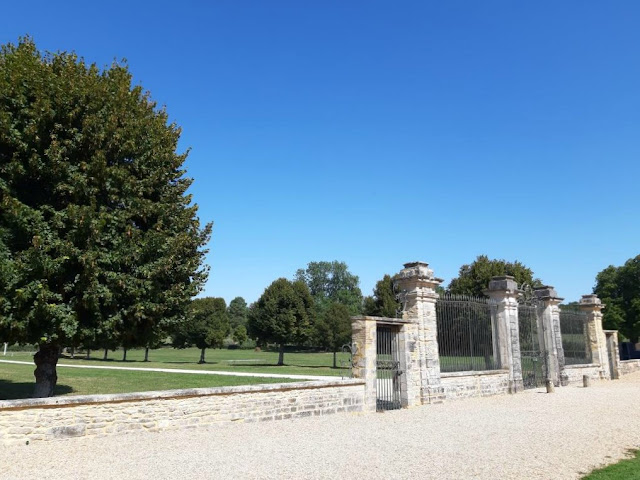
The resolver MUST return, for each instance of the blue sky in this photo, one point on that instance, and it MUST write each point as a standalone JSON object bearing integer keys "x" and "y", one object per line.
{"x": 378, "y": 133}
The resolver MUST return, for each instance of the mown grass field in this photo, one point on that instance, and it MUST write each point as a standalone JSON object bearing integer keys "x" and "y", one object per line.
{"x": 624, "y": 470}
{"x": 16, "y": 381}
{"x": 300, "y": 363}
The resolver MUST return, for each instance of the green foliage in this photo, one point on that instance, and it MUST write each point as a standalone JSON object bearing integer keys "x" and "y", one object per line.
{"x": 283, "y": 314}
{"x": 238, "y": 312}
{"x": 206, "y": 326}
{"x": 383, "y": 303}
{"x": 333, "y": 327}
{"x": 331, "y": 282}
{"x": 99, "y": 241}
{"x": 619, "y": 290}
{"x": 473, "y": 278}
{"x": 240, "y": 334}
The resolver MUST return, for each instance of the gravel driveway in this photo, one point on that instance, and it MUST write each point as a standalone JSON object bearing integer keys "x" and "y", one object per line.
{"x": 532, "y": 435}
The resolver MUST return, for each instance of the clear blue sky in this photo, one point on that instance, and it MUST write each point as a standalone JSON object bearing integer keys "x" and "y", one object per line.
{"x": 378, "y": 132}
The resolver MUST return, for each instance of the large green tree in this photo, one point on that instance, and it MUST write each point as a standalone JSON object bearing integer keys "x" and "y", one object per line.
{"x": 331, "y": 282}
{"x": 206, "y": 326}
{"x": 238, "y": 312}
{"x": 383, "y": 303}
{"x": 473, "y": 278}
{"x": 98, "y": 237}
{"x": 619, "y": 289}
{"x": 284, "y": 314}
{"x": 333, "y": 328}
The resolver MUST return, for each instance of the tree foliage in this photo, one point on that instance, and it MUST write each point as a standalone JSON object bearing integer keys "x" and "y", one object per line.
{"x": 238, "y": 312}
{"x": 383, "y": 303}
{"x": 98, "y": 238}
{"x": 331, "y": 282}
{"x": 206, "y": 325}
{"x": 473, "y": 278}
{"x": 333, "y": 328}
{"x": 619, "y": 289}
{"x": 284, "y": 314}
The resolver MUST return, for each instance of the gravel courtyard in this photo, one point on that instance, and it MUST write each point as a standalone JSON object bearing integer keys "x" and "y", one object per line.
{"x": 533, "y": 435}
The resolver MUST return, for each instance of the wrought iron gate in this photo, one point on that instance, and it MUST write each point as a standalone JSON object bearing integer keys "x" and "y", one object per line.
{"x": 532, "y": 353}
{"x": 388, "y": 385}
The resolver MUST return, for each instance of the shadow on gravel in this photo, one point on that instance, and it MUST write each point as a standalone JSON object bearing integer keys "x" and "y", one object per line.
{"x": 20, "y": 390}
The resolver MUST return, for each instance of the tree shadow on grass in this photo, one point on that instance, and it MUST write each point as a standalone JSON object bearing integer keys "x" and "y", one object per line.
{"x": 21, "y": 390}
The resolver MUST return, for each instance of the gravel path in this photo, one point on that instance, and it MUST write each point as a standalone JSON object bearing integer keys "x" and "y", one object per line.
{"x": 532, "y": 435}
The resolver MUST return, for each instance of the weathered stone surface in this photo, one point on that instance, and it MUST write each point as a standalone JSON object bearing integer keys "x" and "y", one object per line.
{"x": 98, "y": 415}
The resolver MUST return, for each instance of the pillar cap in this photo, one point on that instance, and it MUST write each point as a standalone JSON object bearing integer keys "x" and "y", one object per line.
{"x": 546, "y": 292}
{"x": 503, "y": 283}
{"x": 417, "y": 270}
{"x": 589, "y": 300}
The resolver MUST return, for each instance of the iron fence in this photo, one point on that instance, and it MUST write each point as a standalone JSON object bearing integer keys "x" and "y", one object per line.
{"x": 532, "y": 357}
{"x": 575, "y": 339}
{"x": 466, "y": 333}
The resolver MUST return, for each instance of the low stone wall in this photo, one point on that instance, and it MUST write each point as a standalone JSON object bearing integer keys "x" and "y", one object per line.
{"x": 628, "y": 366}
{"x": 573, "y": 373}
{"x": 474, "y": 384}
{"x": 98, "y": 415}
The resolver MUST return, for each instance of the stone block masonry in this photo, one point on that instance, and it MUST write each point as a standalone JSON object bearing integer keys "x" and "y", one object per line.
{"x": 475, "y": 384}
{"x": 99, "y": 415}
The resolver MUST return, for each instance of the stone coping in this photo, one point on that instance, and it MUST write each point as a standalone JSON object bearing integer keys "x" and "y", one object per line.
{"x": 583, "y": 365}
{"x": 473, "y": 373}
{"x": 384, "y": 320}
{"x": 631, "y": 360}
{"x": 75, "y": 400}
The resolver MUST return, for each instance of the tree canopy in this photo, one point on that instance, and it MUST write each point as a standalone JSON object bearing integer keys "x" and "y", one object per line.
{"x": 238, "y": 312}
{"x": 333, "y": 328}
{"x": 98, "y": 237}
{"x": 206, "y": 326}
{"x": 619, "y": 289}
{"x": 473, "y": 278}
{"x": 284, "y": 314}
{"x": 331, "y": 282}
{"x": 383, "y": 303}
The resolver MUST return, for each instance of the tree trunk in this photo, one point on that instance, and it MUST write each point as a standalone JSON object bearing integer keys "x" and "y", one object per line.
{"x": 281, "y": 354}
{"x": 88, "y": 353}
{"x": 106, "y": 353}
{"x": 335, "y": 365}
{"x": 73, "y": 352}
{"x": 202, "y": 355}
{"x": 46, "y": 359}
{"x": 124, "y": 355}
{"x": 146, "y": 354}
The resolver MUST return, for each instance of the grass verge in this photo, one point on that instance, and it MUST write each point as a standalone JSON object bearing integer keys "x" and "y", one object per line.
{"x": 16, "y": 381}
{"x": 628, "y": 469}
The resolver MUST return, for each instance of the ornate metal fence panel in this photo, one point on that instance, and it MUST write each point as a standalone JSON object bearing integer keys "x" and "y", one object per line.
{"x": 388, "y": 385}
{"x": 466, "y": 333}
{"x": 575, "y": 339}
{"x": 532, "y": 357}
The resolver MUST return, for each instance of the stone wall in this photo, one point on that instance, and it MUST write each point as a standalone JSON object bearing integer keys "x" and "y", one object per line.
{"x": 574, "y": 373}
{"x": 629, "y": 366}
{"x": 475, "y": 384}
{"x": 98, "y": 415}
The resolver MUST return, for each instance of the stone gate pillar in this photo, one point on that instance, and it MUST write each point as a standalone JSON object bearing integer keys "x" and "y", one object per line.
{"x": 592, "y": 306}
{"x": 416, "y": 286}
{"x": 363, "y": 356}
{"x": 504, "y": 291}
{"x": 554, "y": 353}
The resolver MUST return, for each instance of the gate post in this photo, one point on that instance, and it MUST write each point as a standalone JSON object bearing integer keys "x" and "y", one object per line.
{"x": 416, "y": 285}
{"x": 363, "y": 357}
{"x": 504, "y": 290}
{"x": 592, "y": 306}
{"x": 612, "y": 353}
{"x": 553, "y": 350}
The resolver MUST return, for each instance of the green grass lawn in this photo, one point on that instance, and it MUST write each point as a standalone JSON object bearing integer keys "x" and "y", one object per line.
{"x": 300, "y": 363}
{"x": 17, "y": 381}
{"x": 624, "y": 470}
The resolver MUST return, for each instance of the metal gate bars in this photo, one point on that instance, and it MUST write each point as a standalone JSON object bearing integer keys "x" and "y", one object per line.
{"x": 388, "y": 385}
{"x": 534, "y": 370}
